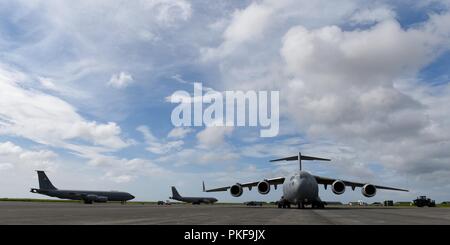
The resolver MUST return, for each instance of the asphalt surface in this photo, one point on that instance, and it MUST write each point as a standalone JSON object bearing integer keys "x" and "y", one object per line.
{"x": 117, "y": 214}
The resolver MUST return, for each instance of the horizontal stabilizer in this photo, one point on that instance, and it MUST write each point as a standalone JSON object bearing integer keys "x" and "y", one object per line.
{"x": 295, "y": 158}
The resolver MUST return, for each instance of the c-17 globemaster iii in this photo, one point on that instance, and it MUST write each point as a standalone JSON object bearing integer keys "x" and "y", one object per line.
{"x": 302, "y": 188}
{"x": 46, "y": 188}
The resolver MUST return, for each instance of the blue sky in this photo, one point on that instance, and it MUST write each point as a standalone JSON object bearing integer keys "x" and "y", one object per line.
{"x": 84, "y": 87}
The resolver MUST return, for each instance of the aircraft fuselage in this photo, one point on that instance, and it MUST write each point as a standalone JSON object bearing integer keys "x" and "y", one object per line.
{"x": 301, "y": 187}
{"x": 97, "y": 196}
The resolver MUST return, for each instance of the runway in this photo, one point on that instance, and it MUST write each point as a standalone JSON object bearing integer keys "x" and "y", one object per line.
{"x": 138, "y": 214}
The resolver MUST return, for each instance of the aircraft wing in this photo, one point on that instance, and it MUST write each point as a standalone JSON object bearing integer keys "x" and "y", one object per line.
{"x": 249, "y": 185}
{"x": 329, "y": 181}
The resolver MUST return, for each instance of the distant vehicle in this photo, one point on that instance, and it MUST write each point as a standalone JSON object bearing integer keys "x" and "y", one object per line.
{"x": 193, "y": 200}
{"x": 362, "y": 203}
{"x": 300, "y": 187}
{"x": 253, "y": 203}
{"x": 423, "y": 201}
{"x": 167, "y": 202}
{"x": 88, "y": 197}
{"x": 388, "y": 203}
{"x": 358, "y": 203}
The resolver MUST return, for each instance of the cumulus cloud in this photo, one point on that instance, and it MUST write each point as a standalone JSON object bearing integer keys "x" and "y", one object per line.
{"x": 157, "y": 146}
{"x": 122, "y": 170}
{"x": 13, "y": 156}
{"x": 212, "y": 137}
{"x": 179, "y": 132}
{"x": 345, "y": 81}
{"x": 254, "y": 25}
{"x": 47, "y": 119}
{"x": 121, "y": 80}
{"x": 372, "y": 15}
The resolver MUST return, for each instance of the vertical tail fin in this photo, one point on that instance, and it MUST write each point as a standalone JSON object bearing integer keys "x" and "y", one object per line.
{"x": 175, "y": 193}
{"x": 44, "y": 181}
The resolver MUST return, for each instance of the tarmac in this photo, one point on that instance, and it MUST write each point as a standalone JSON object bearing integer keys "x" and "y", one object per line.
{"x": 48, "y": 213}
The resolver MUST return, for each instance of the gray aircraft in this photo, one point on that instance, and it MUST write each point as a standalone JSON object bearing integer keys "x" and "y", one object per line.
{"x": 302, "y": 188}
{"x": 46, "y": 188}
{"x": 193, "y": 200}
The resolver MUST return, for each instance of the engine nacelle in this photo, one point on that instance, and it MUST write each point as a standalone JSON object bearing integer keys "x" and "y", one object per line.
{"x": 369, "y": 190}
{"x": 91, "y": 198}
{"x": 338, "y": 187}
{"x": 236, "y": 190}
{"x": 95, "y": 198}
{"x": 263, "y": 187}
{"x": 101, "y": 199}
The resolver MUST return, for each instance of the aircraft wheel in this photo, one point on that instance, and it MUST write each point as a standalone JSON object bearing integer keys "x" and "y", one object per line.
{"x": 301, "y": 205}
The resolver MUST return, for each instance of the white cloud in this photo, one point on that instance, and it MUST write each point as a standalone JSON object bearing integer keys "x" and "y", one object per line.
{"x": 345, "y": 81}
{"x": 13, "y": 156}
{"x": 179, "y": 132}
{"x": 372, "y": 15}
{"x": 47, "y": 83}
{"x": 247, "y": 24}
{"x": 121, "y": 80}
{"x": 212, "y": 137}
{"x": 157, "y": 146}
{"x": 254, "y": 25}
{"x": 169, "y": 12}
{"x": 47, "y": 119}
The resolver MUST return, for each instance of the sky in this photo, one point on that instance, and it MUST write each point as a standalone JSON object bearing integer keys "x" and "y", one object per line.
{"x": 84, "y": 88}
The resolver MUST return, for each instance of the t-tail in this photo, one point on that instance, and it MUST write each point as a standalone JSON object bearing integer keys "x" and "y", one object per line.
{"x": 44, "y": 181}
{"x": 299, "y": 158}
{"x": 175, "y": 194}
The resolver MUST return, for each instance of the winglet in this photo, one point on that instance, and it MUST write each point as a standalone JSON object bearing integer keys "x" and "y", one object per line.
{"x": 204, "y": 189}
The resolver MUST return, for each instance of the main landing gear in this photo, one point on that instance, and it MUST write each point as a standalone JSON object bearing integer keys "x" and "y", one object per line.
{"x": 300, "y": 205}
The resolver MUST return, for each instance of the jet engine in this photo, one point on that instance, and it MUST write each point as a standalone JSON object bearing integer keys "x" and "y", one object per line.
{"x": 369, "y": 190}
{"x": 338, "y": 187}
{"x": 236, "y": 190}
{"x": 102, "y": 199}
{"x": 95, "y": 198}
{"x": 263, "y": 187}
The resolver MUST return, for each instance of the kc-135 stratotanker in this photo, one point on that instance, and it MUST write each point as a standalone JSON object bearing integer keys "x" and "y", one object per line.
{"x": 47, "y": 188}
{"x": 302, "y": 188}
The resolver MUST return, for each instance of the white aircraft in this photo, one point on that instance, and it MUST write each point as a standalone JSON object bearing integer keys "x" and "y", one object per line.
{"x": 302, "y": 188}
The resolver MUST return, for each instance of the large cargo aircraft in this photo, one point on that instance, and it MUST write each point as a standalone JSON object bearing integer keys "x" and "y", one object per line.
{"x": 46, "y": 188}
{"x": 302, "y": 188}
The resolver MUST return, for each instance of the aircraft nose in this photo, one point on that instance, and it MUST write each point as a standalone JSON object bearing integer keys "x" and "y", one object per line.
{"x": 131, "y": 196}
